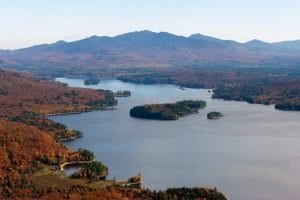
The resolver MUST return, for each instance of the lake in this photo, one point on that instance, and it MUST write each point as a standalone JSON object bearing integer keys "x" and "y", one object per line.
{"x": 253, "y": 152}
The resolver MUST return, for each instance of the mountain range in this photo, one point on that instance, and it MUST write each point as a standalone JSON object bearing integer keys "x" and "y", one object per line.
{"x": 146, "y": 48}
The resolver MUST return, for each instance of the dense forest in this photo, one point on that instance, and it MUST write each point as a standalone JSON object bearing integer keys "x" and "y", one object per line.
{"x": 59, "y": 131}
{"x": 139, "y": 194}
{"x": 167, "y": 111}
{"x": 31, "y": 151}
{"x": 19, "y": 93}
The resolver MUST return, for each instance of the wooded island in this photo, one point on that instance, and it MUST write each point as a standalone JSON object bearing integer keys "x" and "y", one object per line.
{"x": 167, "y": 111}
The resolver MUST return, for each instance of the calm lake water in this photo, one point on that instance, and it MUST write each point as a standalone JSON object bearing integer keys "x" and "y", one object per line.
{"x": 253, "y": 152}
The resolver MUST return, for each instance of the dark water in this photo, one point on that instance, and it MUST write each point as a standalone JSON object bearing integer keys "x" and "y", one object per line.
{"x": 253, "y": 152}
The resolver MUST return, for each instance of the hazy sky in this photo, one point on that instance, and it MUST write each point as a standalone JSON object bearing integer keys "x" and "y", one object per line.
{"x": 27, "y": 22}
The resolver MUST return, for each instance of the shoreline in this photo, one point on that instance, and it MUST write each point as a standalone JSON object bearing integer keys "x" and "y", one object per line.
{"x": 211, "y": 91}
{"x": 79, "y": 112}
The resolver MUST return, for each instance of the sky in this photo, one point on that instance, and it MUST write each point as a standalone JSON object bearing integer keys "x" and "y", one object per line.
{"x": 25, "y": 23}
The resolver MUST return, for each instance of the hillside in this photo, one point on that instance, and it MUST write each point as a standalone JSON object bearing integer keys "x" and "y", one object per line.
{"x": 146, "y": 48}
{"x": 29, "y": 141}
{"x": 19, "y": 93}
{"x": 22, "y": 147}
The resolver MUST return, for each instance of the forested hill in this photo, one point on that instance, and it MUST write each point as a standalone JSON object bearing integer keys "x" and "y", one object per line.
{"x": 20, "y": 93}
{"x": 146, "y": 48}
{"x": 29, "y": 142}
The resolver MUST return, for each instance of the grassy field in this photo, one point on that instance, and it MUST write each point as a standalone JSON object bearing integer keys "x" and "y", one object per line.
{"x": 48, "y": 177}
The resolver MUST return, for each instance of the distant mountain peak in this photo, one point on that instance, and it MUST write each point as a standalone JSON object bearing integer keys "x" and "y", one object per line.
{"x": 199, "y": 36}
{"x": 145, "y": 31}
{"x": 60, "y": 42}
{"x": 137, "y": 33}
{"x": 256, "y": 41}
{"x": 93, "y": 37}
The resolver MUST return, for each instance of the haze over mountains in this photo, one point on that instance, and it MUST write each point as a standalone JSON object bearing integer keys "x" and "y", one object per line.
{"x": 146, "y": 48}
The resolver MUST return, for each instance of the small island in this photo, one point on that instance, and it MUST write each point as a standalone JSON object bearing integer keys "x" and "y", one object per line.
{"x": 214, "y": 115}
{"x": 167, "y": 111}
{"x": 124, "y": 93}
{"x": 91, "y": 81}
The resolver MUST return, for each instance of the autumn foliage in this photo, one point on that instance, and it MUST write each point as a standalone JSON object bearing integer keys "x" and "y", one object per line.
{"x": 28, "y": 140}
{"x": 23, "y": 147}
{"x": 19, "y": 93}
